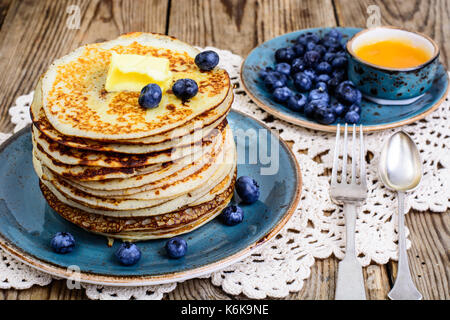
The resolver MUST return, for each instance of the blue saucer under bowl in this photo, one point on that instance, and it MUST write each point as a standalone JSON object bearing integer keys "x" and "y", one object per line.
{"x": 27, "y": 223}
{"x": 374, "y": 116}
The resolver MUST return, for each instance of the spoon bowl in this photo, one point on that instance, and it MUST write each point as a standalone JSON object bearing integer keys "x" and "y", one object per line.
{"x": 400, "y": 166}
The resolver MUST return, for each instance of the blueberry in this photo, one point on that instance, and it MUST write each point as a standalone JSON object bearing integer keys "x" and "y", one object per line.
{"x": 274, "y": 80}
{"x": 358, "y": 97}
{"x": 263, "y": 73}
{"x": 338, "y": 108}
{"x": 150, "y": 96}
{"x": 334, "y": 33}
{"x": 207, "y": 60}
{"x": 314, "y": 105}
{"x": 346, "y": 92}
{"x": 297, "y": 65}
{"x": 128, "y": 254}
{"x": 312, "y": 37}
{"x": 333, "y": 83}
{"x": 62, "y": 242}
{"x": 352, "y": 117}
{"x": 311, "y": 58}
{"x": 320, "y": 49}
{"x": 301, "y": 39}
{"x": 302, "y": 82}
{"x": 284, "y": 54}
{"x": 297, "y": 102}
{"x": 283, "y": 68}
{"x": 355, "y": 107}
{"x": 311, "y": 74}
{"x": 318, "y": 94}
{"x": 310, "y": 46}
{"x": 176, "y": 247}
{"x": 185, "y": 89}
{"x": 323, "y": 78}
{"x": 339, "y": 74}
{"x": 282, "y": 94}
{"x": 232, "y": 215}
{"x": 332, "y": 44}
{"x": 339, "y": 62}
{"x": 329, "y": 56}
{"x": 323, "y": 67}
{"x": 324, "y": 115}
{"x": 322, "y": 86}
{"x": 247, "y": 189}
{"x": 299, "y": 49}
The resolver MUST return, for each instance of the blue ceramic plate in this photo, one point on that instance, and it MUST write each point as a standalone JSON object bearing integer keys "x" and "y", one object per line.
{"x": 374, "y": 117}
{"x": 27, "y": 223}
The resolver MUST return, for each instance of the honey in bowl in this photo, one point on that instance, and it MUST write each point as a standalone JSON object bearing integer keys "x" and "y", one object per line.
{"x": 393, "y": 53}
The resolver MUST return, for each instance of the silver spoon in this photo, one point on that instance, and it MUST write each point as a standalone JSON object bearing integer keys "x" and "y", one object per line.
{"x": 400, "y": 169}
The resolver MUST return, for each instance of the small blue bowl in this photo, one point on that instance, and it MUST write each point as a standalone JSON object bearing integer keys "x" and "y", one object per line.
{"x": 392, "y": 86}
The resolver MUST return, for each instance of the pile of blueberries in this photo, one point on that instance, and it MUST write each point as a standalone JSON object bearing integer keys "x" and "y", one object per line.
{"x": 317, "y": 69}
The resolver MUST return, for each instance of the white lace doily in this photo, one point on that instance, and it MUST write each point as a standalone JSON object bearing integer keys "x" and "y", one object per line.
{"x": 316, "y": 229}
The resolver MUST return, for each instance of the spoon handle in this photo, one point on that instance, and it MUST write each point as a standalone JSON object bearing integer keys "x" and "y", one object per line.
{"x": 404, "y": 288}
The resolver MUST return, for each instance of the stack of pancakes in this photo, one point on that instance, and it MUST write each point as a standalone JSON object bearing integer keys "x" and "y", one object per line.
{"x": 115, "y": 168}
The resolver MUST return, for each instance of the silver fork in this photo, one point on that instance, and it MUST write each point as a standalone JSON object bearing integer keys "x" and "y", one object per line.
{"x": 350, "y": 282}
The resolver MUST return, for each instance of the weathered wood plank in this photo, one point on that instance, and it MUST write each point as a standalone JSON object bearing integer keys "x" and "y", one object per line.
{"x": 430, "y": 17}
{"x": 428, "y": 256}
{"x": 239, "y": 26}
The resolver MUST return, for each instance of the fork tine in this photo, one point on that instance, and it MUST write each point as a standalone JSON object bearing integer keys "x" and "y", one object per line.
{"x": 363, "y": 152}
{"x": 344, "y": 158}
{"x": 336, "y": 156}
{"x": 353, "y": 155}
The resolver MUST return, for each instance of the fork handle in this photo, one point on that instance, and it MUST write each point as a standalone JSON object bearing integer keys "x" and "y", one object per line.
{"x": 350, "y": 281}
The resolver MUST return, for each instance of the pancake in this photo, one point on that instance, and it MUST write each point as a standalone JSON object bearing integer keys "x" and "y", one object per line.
{"x": 74, "y": 156}
{"x": 207, "y": 174}
{"x": 76, "y": 103}
{"x": 201, "y": 125}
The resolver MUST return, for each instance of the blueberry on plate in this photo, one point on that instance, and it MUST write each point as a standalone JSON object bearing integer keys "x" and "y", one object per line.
{"x": 312, "y": 37}
{"x": 329, "y": 56}
{"x": 311, "y": 74}
{"x": 313, "y": 105}
{"x": 322, "y": 86}
{"x": 323, "y": 78}
{"x": 297, "y": 65}
{"x": 320, "y": 49}
{"x": 176, "y": 247}
{"x": 62, "y": 242}
{"x": 128, "y": 254}
{"x": 346, "y": 93}
{"x": 282, "y": 94}
{"x": 323, "y": 67}
{"x": 297, "y": 102}
{"x": 185, "y": 89}
{"x": 207, "y": 60}
{"x": 299, "y": 49}
{"x": 232, "y": 215}
{"x": 150, "y": 96}
{"x": 352, "y": 117}
{"x": 247, "y": 189}
{"x": 283, "y": 68}
{"x": 324, "y": 115}
{"x": 341, "y": 74}
{"x": 302, "y": 82}
{"x": 311, "y": 58}
{"x": 340, "y": 62}
{"x": 355, "y": 107}
{"x": 310, "y": 46}
{"x": 334, "y": 33}
{"x": 263, "y": 73}
{"x": 301, "y": 39}
{"x": 284, "y": 55}
{"x": 318, "y": 94}
{"x": 338, "y": 108}
{"x": 274, "y": 80}
{"x": 333, "y": 83}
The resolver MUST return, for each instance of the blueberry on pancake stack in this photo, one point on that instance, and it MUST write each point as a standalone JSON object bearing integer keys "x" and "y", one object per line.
{"x": 131, "y": 139}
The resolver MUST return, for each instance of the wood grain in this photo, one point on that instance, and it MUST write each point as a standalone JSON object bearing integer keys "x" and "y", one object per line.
{"x": 34, "y": 33}
{"x": 239, "y": 26}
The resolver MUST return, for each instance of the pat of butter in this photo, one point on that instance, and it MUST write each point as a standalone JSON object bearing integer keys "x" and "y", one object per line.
{"x": 132, "y": 72}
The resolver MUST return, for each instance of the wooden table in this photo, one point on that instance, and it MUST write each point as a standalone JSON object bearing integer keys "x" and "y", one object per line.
{"x": 34, "y": 33}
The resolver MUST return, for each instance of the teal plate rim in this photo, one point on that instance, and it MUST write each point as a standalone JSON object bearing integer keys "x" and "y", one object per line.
{"x": 151, "y": 279}
{"x": 277, "y": 110}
